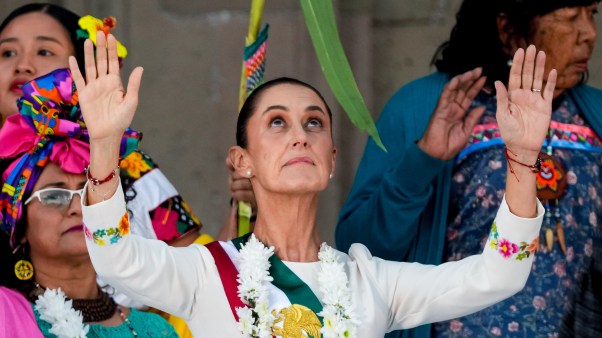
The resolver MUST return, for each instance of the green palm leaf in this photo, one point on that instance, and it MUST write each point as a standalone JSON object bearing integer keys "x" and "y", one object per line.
{"x": 320, "y": 21}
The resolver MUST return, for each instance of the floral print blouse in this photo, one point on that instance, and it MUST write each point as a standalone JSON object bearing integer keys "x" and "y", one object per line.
{"x": 476, "y": 192}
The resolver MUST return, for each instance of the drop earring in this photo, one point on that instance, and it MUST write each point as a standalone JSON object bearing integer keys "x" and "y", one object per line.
{"x": 23, "y": 267}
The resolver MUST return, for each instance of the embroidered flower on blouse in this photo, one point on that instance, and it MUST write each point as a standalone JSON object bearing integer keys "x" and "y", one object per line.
{"x": 112, "y": 235}
{"x": 55, "y": 309}
{"x": 509, "y": 249}
{"x": 134, "y": 165}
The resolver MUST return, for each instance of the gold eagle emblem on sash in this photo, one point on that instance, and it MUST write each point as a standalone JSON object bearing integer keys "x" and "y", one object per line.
{"x": 297, "y": 319}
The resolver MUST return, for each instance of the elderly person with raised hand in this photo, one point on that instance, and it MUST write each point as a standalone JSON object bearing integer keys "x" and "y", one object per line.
{"x": 281, "y": 280}
{"x": 435, "y": 191}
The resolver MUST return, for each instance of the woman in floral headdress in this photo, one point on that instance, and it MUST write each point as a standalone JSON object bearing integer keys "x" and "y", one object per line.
{"x": 44, "y": 152}
{"x": 297, "y": 286}
{"x": 36, "y": 39}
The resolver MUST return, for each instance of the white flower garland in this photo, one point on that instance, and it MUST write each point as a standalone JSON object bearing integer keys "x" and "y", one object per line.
{"x": 256, "y": 321}
{"x": 339, "y": 318}
{"x": 253, "y": 276}
{"x": 65, "y": 320}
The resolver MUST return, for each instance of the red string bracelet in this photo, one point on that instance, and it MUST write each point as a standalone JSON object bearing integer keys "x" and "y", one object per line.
{"x": 534, "y": 167}
{"x": 96, "y": 181}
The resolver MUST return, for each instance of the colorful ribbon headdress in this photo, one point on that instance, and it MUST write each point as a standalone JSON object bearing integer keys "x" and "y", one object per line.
{"x": 90, "y": 25}
{"x": 49, "y": 128}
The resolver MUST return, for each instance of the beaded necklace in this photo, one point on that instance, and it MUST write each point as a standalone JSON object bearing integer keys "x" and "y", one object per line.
{"x": 126, "y": 321}
{"x": 99, "y": 309}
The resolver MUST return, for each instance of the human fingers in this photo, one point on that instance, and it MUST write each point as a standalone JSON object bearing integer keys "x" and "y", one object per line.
{"x": 89, "y": 61}
{"x": 548, "y": 93}
{"x": 465, "y": 82}
{"x": 514, "y": 79}
{"x": 528, "y": 67}
{"x": 540, "y": 64}
{"x": 131, "y": 97}
{"x": 472, "y": 92}
{"x": 78, "y": 79}
{"x": 502, "y": 96}
{"x": 472, "y": 119}
{"x": 240, "y": 183}
{"x": 229, "y": 164}
{"x": 113, "y": 57}
{"x": 447, "y": 95}
{"x": 244, "y": 195}
{"x": 101, "y": 53}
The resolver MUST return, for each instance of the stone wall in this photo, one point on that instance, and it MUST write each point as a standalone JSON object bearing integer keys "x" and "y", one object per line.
{"x": 191, "y": 51}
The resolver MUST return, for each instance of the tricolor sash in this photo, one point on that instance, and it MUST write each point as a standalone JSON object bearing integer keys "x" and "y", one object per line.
{"x": 286, "y": 288}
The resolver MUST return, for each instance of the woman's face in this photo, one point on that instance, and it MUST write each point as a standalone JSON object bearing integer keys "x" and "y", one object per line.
{"x": 31, "y": 45}
{"x": 567, "y": 35}
{"x": 290, "y": 145}
{"x": 56, "y": 232}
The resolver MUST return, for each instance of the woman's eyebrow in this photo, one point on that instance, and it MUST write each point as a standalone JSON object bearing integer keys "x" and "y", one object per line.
{"x": 315, "y": 108}
{"x": 54, "y": 185}
{"x": 275, "y": 107}
{"x": 48, "y": 38}
{"x": 6, "y": 40}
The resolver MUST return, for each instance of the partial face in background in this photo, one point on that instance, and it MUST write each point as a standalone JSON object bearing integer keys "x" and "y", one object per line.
{"x": 568, "y": 36}
{"x": 53, "y": 231}
{"x": 290, "y": 146}
{"x": 32, "y": 45}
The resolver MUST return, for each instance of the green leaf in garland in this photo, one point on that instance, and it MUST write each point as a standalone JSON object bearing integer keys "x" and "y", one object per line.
{"x": 320, "y": 21}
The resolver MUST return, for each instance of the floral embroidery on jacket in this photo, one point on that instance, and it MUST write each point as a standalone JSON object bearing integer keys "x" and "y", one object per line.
{"x": 509, "y": 249}
{"x": 113, "y": 235}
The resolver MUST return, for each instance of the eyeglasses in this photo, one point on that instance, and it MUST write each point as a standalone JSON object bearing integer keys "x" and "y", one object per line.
{"x": 55, "y": 197}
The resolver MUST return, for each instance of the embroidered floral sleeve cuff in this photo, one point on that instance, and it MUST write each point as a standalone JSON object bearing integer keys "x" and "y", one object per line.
{"x": 514, "y": 237}
{"x": 107, "y": 222}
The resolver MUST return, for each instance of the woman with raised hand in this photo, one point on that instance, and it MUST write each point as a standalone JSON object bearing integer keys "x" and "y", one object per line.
{"x": 435, "y": 190}
{"x": 36, "y": 39}
{"x": 42, "y": 160}
{"x": 282, "y": 280}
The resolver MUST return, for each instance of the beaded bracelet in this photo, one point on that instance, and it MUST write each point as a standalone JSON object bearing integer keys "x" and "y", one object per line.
{"x": 96, "y": 181}
{"x": 535, "y": 168}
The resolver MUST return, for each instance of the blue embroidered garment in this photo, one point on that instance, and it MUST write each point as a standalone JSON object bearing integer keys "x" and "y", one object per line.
{"x": 476, "y": 192}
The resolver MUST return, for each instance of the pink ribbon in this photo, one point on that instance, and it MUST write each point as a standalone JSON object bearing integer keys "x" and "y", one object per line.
{"x": 18, "y": 138}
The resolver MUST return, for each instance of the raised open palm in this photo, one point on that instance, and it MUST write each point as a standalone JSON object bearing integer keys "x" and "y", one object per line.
{"x": 450, "y": 126}
{"x": 524, "y": 110}
{"x": 107, "y": 108}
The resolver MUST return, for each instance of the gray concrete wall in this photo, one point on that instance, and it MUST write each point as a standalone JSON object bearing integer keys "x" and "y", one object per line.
{"x": 191, "y": 51}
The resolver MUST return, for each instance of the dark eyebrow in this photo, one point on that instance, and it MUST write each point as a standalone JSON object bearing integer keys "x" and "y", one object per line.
{"x": 53, "y": 185}
{"x": 7, "y": 40}
{"x": 275, "y": 107}
{"x": 315, "y": 108}
{"x": 39, "y": 38}
{"x": 48, "y": 38}
{"x": 280, "y": 107}
{"x": 61, "y": 185}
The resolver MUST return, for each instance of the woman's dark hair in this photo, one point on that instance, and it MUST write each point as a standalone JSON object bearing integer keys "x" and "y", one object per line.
{"x": 9, "y": 256}
{"x": 474, "y": 40}
{"x": 248, "y": 108}
{"x": 65, "y": 17}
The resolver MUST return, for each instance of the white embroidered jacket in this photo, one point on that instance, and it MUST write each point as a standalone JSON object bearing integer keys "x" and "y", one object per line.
{"x": 387, "y": 295}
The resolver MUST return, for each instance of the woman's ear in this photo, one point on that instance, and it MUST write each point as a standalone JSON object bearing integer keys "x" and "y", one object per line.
{"x": 239, "y": 157}
{"x": 508, "y": 37}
